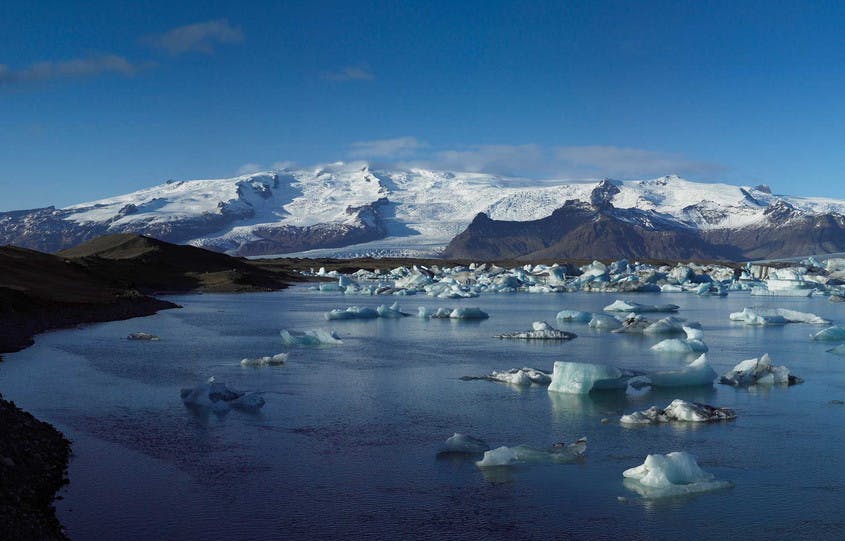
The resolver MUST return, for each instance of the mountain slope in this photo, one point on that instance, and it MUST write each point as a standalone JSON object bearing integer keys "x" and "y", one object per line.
{"x": 349, "y": 209}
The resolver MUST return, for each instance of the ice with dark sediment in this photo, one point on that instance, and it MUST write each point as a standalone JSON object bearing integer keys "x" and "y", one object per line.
{"x": 540, "y": 330}
{"x": 143, "y": 336}
{"x": 669, "y": 475}
{"x": 762, "y": 372}
{"x": 679, "y": 411}
{"x": 558, "y": 453}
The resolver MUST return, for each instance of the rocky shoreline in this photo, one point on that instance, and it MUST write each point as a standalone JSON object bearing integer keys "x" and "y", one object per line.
{"x": 33, "y": 467}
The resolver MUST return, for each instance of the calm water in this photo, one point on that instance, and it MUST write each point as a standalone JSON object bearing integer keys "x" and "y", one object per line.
{"x": 346, "y": 445}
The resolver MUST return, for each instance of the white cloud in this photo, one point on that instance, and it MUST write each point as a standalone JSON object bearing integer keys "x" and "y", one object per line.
{"x": 249, "y": 168}
{"x": 396, "y": 147}
{"x": 198, "y": 37}
{"x": 350, "y": 73}
{"x": 623, "y": 162}
{"x": 282, "y": 165}
{"x": 67, "y": 69}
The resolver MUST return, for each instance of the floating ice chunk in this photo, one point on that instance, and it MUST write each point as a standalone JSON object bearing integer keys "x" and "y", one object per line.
{"x": 468, "y": 313}
{"x": 581, "y": 378}
{"x": 466, "y": 444}
{"x": 698, "y": 372}
{"x": 508, "y": 456}
{"x": 540, "y": 331}
{"x": 604, "y": 322}
{"x": 667, "y": 325}
{"x": 275, "y": 360}
{"x": 145, "y": 336}
{"x": 759, "y": 372}
{"x": 218, "y": 397}
{"x": 673, "y": 474}
{"x": 439, "y": 313}
{"x": 680, "y": 345}
{"x": 671, "y": 288}
{"x": 830, "y": 334}
{"x": 575, "y": 316}
{"x": 776, "y": 316}
{"x": 352, "y": 312}
{"x": 626, "y": 306}
{"x": 838, "y": 350}
{"x": 693, "y": 332}
{"x": 679, "y": 410}
{"x": 315, "y": 337}
{"x": 521, "y": 376}
{"x": 393, "y": 312}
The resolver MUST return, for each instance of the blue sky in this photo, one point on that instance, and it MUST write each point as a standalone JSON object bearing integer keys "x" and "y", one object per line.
{"x": 101, "y": 98}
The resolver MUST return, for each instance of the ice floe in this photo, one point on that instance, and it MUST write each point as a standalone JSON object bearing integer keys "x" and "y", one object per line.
{"x": 776, "y": 316}
{"x": 838, "y": 350}
{"x": 274, "y": 360}
{"x": 216, "y": 396}
{"x": 680, "y": 345}
{"x": 313, "y": 337}
{"x": 352, "y": 312}
{"x": 575, "y": 316}
{"x": 509, "y": 456}
{"x": 679, "y": 410}
{"x": 540, "y": 330}
{"x": 627, "y": 306}
{"x": 830, "y": 334}
{"x": 464, "y": 444}
{"x": 143, "y": 336}
{"x": 673, "y": 474}
{"x": 761, "y": 372}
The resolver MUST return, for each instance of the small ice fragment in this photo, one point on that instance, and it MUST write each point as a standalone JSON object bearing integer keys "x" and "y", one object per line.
{"x": 507, "y": 456}
{"x": 275, "y": 360}
{"x": 352, "y": 312}
{"x": 830, "y": 334}
{"x": 468, "y": 313}
{"x": 673, "y": 474}
{"x": 464, "y": 443}
{"x": 759, "y": 372}
{"x": 143, "y": 336}
{"x": 626, "y": 306}
{"x": 314, "y": 337}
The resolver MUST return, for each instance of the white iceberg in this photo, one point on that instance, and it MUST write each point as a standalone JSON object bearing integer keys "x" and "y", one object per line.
{"x": 667, "y": 325}
{"x": 522, "y": 377}
{"x": 758, "y": 372}
{"x": 776, "y": 316}
{"x": 830, "y": 334}
{"x": 315, "y": 337}
{"x": 439, "y": 313}
{"x": 673, "y": 474}
{"x": 216, "y": 396}
{"x": 581, "y": 378}
{"x": 679, "y": 410}
{"x": 626, "y": 306}
{"x": 508, "y": 456}
{"x": 838, "y": 350}
{"x": 604, "y": 322}
{"x": 468, "y": 313}
{"x": 352, "y": 312}
{"x": 275, "y": 360}
{"x": 392, "y": 312}
{"x": 693, "y": 332}
{"x": 540, "y": 330}
{"x": 464, "y": 444}
{"x": 680, "y": 345}
{"x": 575, "y": 316}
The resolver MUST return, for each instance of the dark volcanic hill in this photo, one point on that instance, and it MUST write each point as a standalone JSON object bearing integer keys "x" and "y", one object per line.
{"x": 581, "y": 230}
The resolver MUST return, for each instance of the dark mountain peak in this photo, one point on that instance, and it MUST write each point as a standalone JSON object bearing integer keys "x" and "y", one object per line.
{"x": 780, "y": 211}
{"x": 602, "y": 195}
{"x": 763, "y": 188}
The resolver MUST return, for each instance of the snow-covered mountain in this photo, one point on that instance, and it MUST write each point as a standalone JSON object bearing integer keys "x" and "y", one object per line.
{"x": 348, "y": 209}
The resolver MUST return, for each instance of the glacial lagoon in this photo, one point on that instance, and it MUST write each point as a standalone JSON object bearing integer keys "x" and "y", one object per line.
{"x": 347, "y": 443}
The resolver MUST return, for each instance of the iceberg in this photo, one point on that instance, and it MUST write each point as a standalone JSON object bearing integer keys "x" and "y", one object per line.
{"x": 540, "y": 331}
{"x": 699, "y": 372}
{"x": 673, "y": 474}
{"x": 275, "y": 360}
{"x": 634, "y": 324}
{"x": 604, "y": 322}
{"x": 352, "y": 312}
{"x": 693, "y": 332}
{"x": 680, "y": 345}
{"x": 439, "y": 313}
{"x": 830, "y": 334}
{"x": 508, "y": 456}
{"x": 838, "y": 350}
{"x": 575, "y": 316}
{"x": 522, "y": 377}
{"x": 679, "y": 410}
{"x": 464, "y": 444}
{"x": 468, "y": 313}
{"x": 315, "y": 337}
{"x": 217, "y": 397}
{"x": 759, "y": 372}
{"x": 144, "y": 336}
{"x": 626, "y": 306}
{"x": 393, "y": 312}
{"x": 776, "y": 316}
{"x": 581, "y": 378}
{"x": 667, "y": 325}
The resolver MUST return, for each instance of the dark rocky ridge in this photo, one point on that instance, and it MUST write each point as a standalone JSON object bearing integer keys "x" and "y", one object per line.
{"x": 597, "y": 230}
